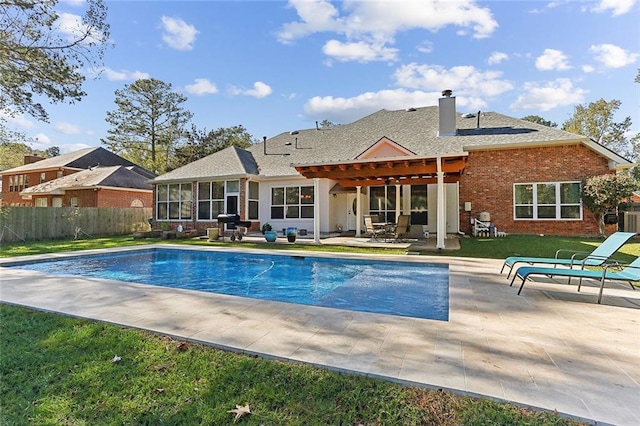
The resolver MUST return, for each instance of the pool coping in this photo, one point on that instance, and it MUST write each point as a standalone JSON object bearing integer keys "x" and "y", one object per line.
{"x": 549, "y": 348}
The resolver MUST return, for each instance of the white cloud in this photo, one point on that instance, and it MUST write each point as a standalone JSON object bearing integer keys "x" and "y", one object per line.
{"x": 544, "y": 97}
{"x": 202, "y": 86}
{"x": 612, "y": 56}
{"x": 260, "y": 90}
{"x": 67, "y": 128}
{"x": 497, "y": 57}
{"x": 425, "y": 47}
{"x": 15, "y": 119}
{"x": 551, "y": 60}
{"x": 178, "y": 34}
{"x": 73, "y": 28}
{"x": 466, "y": 80}
{"x": 74, "y": 3}
{"x": 346, "y": 110}
{"x": 123, "y": 75}
{"x": 377, "y": 22}
{"x": 359, "y": 51}
{"x": 41, "y": 139}
{"x": 617, "y": 7}
{"x": 588, "y": 69}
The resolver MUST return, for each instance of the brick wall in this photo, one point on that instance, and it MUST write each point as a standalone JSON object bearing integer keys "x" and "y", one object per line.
{"x": 13, "y": 198}
{"x": 489, "y": 177}
{"x": 117, "y": 198}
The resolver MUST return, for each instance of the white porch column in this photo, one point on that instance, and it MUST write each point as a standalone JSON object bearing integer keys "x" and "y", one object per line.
{"x": 398, "y": 205}
{"x": 316, "y": 210}
{"x": 358, "y": 211}
{"x": 441, "y": 225}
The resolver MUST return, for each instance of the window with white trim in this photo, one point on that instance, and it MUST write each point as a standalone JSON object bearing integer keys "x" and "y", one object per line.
{"x": 254, "y": 195}
{"x": 382, "y": 202}
{"x": 547, "y": 201}
{"x": 292, "y": 202}
{"x": 173, "y": 201}
{"x": 210, "y": 200}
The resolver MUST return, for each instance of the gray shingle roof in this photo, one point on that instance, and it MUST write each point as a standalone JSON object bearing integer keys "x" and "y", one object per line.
{"x": 113, "y": 177}
{"x": 229, "y": 162}
{"x": 81, "y": 159}
{"x": 415, "y": 130}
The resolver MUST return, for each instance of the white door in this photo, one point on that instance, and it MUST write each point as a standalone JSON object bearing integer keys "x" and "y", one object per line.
{"x": 351, "y": 212}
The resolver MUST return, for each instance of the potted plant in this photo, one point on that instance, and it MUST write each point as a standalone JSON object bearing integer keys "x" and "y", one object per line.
{"x": 291, "y": 234}
{"x": 270, "y": 236}
{"x": 266, "y": 227}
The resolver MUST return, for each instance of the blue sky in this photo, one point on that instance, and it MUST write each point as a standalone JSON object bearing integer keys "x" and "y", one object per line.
{"x": 277, "y": 66}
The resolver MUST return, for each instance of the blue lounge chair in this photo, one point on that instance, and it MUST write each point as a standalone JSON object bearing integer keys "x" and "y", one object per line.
{"x": 630, "y": 273}
{"x": 596, "y": 258}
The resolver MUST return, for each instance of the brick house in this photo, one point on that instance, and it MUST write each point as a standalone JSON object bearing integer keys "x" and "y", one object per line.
{"x": 444, "y": 169}
{"x": 91, "y": 177}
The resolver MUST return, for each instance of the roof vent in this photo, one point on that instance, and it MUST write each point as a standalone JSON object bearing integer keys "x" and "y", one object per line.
{"x": 447, "y": 93}
{"x": 468, "y": 115}
{"x": 411, "y": 109}
{"x": 293, "y": 132}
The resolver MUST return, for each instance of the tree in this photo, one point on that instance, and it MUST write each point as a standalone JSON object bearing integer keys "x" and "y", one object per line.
{"x": 602, "y": 194}
{"x": 8, "y": 136}
{"x": 596, "y": 122}
{"x": 42, "y": 56}
{"x": 200, "y": 143}
{"x": 325, "y": 124}
{"x": 539, "y": 120}
{"x": 148, "y": 123}
{"x": 12, "y": 154}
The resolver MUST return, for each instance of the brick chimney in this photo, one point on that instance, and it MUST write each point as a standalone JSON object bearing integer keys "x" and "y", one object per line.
{"x": 447, "y": 114}
{"x": 28, "y": 159}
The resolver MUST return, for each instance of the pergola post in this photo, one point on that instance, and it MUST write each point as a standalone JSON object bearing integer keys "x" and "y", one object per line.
{"x": 398, "y": 205}
{"x": 358, "y": 211}
{"x": 441, "y": 225}
{"x": 316, "y": 210}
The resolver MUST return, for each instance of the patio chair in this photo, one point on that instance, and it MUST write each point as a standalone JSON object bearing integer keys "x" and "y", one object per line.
{"x": 402, "y": 227}
{"x": 595, "y": 258}
{"x": 630, "y": 273}
{"x": 374, "y": 231}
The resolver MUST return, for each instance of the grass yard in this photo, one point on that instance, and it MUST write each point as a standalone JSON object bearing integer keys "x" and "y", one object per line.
{"x": 495, "y": 248}
{"x": 60, "y": 370}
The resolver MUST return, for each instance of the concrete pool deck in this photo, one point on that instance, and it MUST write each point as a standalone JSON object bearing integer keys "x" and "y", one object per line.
{"x": 551, "y": 348}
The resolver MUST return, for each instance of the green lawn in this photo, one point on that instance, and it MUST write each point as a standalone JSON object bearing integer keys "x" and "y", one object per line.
{"x": 56, "y": 370}
{"x": 496, "y": 248}
{"x": 60, "y": 370}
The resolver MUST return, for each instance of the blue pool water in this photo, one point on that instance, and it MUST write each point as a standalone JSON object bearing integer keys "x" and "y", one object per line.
{"x": 397, "y": 288}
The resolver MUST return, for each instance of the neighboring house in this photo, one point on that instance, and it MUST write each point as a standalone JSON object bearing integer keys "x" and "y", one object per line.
{"x": 91, "y": 177}
{"x": 442, "y": 168}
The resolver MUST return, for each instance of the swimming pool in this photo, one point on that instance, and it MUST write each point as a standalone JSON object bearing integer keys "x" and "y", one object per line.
{"x": 412, "y": 289}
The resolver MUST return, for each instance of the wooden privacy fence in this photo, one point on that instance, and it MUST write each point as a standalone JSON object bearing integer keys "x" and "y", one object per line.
{"x": 47, "y": 223}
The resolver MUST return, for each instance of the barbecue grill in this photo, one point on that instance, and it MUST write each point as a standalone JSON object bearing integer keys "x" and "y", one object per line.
{"x": 233, "y": 222}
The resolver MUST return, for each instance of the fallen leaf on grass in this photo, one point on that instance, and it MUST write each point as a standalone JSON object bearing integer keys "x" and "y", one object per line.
{"x": 240, "y": 411}
{"x": 116, "y": 358}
